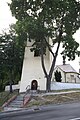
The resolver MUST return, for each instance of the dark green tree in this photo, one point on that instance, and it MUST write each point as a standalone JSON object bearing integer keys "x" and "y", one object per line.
{"x": 57, "y": 20}
{"x": 58, "y": 76}
{"x": 11, "y": 57}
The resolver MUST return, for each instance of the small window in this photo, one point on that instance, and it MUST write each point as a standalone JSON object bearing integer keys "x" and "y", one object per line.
{"x": 72, "y": 77}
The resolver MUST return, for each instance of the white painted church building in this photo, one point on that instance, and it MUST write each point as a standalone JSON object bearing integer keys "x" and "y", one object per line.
{"x": 68, "y": 74}
{"x": 32, "y": 72}
{"x": 33, "y": 76}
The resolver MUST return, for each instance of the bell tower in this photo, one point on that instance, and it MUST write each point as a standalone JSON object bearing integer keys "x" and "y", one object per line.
{"x": 32, "y": 72}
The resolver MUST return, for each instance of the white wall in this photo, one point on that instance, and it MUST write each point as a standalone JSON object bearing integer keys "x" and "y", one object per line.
{"x": 60, "y": 86}
{"x": 76, "y": 79}
{"x": 32, "y": 70}
{"x": 54, "y": 86}
{"x": 14, "y": 87}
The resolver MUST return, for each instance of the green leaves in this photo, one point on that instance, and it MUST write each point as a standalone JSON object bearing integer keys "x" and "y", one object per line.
{"x": 70, "y": 48}
{"x": 11, "y": 56}
{"x": 41, "y": 19}
{"x": 48, "y": 21}
{"x": 58, "y": 76}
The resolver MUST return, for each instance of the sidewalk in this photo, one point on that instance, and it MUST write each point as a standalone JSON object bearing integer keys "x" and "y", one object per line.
{"x": 56, "y": 93}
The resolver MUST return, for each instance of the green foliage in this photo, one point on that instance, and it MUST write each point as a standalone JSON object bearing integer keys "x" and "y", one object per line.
{"x": 70, "y": 46}
{"x": 58, "y": 76}
{"x": 11, "y": 57}
{"x": 5, "y": 96}
{"x": 43, "y": 18}
{"x": 57, "y": 20}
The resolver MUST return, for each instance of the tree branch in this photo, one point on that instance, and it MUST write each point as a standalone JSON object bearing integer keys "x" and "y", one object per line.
{"x": 56, "y": 53}
{"x": 42, "y": 60}
{"x": 49, "y": 47}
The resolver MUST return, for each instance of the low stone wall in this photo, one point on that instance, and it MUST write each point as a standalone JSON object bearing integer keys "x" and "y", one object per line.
{"x": 14, "y": 87}
{"x": 61, "y": 86}
{"x": 54, "y": 86}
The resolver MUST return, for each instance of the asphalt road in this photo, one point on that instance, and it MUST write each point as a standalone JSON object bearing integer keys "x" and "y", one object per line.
{"x": 51, "y": 112}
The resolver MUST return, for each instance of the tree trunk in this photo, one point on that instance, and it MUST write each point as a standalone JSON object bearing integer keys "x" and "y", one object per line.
{"x": 49, "y": 75}
{"x": 48, "y": 83}
{"x": 11, "y": 79}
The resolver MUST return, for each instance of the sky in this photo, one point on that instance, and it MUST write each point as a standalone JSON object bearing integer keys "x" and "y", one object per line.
{"x": 5, "y": 15}
{"x": 6, "y": 19}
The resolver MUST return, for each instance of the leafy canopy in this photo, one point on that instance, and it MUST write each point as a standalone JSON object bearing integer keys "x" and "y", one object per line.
{"x": 49, "y": 18}
{"x": 11, "y": 57}
{"x": 57, "y": 20}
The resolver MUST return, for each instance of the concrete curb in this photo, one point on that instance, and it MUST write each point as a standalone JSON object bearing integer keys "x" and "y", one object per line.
{"x": 17, "y": 112}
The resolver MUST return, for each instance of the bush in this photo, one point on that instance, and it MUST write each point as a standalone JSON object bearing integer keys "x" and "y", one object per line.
{"x": 58, "y": 76}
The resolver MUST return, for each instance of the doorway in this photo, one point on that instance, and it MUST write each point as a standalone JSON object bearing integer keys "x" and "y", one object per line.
{"x": 34, "y": 85}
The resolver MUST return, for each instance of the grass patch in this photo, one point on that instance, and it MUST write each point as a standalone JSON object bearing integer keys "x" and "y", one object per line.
{"x": 54, "y": 99}
{"x": 4, "y": 96}
{"x": 46, "y": 99}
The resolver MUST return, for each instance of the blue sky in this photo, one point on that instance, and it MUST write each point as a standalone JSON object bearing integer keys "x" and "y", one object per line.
{"x": 6, "y": 19}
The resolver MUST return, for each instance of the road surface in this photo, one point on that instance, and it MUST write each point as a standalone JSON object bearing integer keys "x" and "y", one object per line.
{"x": 50, "y": 112}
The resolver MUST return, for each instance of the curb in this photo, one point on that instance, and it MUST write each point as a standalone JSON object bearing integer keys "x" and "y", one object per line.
{"x": 17, "y": 112}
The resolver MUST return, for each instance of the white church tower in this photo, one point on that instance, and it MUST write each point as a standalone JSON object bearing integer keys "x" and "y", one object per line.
{"x": 32, "y": 72}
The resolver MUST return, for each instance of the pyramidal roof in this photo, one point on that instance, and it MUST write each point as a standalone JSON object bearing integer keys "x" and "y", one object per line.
{"x": 67, "y": 68}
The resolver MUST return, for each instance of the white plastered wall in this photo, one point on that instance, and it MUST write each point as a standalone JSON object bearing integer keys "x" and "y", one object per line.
{"x": 32, "y": 70}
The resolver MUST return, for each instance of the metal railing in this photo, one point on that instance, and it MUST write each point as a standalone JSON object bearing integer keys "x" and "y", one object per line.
{"x": 27, "y": 88}
{"x": 27, "y": 91}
